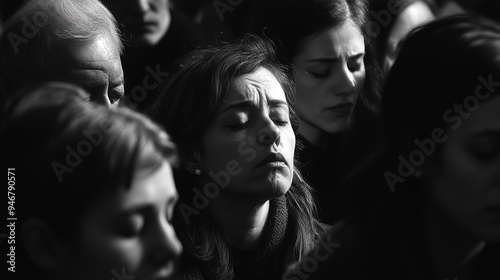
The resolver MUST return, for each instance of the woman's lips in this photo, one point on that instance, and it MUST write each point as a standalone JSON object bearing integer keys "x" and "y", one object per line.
{"x": 341, "y": 109}
{"x": 273, "y": 160}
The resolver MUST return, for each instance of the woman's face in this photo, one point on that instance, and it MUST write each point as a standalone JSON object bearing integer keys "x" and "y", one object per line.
{"x": 128, "y": 232}
{"x": 249, "y": 146}
{"x": 467, "y": 186}
{"x": 330, "y": 75}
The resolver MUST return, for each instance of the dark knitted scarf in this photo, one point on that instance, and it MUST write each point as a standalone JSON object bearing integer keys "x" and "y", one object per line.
{"x": 268, "y": 260}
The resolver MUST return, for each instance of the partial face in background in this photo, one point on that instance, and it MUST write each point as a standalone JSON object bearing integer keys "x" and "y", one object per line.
{"x": 94, "y": 65}
{"x": 330, "y": 75}
{"x": 414, "y": 15}
{"x": 467, "y": 186}
{"x": 251, "y": 139}
{"x": 145, "y": 21}
{"x": 128, "y": 232}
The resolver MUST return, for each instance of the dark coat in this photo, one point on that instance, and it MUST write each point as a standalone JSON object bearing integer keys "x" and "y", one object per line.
{"x": 388, "y": 243}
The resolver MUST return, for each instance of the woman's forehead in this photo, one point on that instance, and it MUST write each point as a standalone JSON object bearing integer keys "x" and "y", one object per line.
{"x": 257, "y": 87}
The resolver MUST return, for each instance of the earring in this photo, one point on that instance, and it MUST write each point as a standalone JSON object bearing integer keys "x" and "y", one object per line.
{"x": 197, "y": 172}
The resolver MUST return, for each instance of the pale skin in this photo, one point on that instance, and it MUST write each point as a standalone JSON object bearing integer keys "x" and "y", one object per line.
{"x": 127, "y": 232}
{"x": 254, "y": 108}
{"x": 330, "y": 71}
{"x": 94, "y": 65}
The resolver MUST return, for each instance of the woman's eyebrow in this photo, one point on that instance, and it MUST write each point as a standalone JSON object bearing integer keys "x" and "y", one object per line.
{"x": 334, "y": 59}
{"x": 324, "y": 59}
{"x": 488, "y": 133}
{"x": 277, "y": 103}
{"x": 239, "y": 105}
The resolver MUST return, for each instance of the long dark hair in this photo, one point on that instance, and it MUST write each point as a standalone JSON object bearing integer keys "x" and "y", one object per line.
{"x": 440, "y": 64}
{"x": 187, "y": 105}
{"x": 297, "y": 20}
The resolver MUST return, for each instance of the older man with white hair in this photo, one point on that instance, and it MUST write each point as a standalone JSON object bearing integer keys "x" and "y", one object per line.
{"x": 75, "y": 41}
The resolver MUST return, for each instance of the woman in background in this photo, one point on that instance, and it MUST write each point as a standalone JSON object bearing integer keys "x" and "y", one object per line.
{"x": 336, "y": 89}
{"x": 442, "y": 159}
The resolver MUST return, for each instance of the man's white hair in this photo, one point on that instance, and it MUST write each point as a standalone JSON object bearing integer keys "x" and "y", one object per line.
{"x": 32, "y": 33}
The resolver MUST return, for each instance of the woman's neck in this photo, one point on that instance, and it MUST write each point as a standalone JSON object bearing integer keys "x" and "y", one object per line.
{"x": 452, "y": 249}
{"x": 317, "y": 137}
{"x": 240, "y": 220}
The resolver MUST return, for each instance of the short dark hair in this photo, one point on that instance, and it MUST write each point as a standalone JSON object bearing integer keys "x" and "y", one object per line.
{"x": 44, "y": 132}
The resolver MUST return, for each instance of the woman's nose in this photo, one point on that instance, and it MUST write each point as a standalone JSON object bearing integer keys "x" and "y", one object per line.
{"x": 269, "y": 133}
{"x": 165, "y": 244}
{"x": 344, "y": 82}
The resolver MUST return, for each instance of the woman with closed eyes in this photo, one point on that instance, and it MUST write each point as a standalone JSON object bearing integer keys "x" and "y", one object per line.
{"x": 442, "y": 160}
{"x": 245, "y": 211}
{"x": 336, "y": 88}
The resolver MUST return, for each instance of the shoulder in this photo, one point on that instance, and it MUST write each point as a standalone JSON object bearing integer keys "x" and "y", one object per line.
{"x": 343, "y": 251}
{"x": 189, "y": 272}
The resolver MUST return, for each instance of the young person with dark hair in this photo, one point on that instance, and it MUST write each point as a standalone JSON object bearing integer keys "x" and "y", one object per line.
{"x": 94, "y": 192}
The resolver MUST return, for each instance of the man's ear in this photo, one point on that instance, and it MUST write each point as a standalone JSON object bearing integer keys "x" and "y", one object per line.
{"x": 42, "y": 245}
{"x": 191, "y": 160}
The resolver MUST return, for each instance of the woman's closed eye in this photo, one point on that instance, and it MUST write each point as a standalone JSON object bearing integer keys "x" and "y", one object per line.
{"x": 320, "y": 73}
{"x": 484, "y": 151}
{"x": 280, "y": 116}
{"x": 238, "y": 125}
{"x": 130, "y": 225}
{"x": 237, "y": 121}
{"x": 356, "y": 63}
